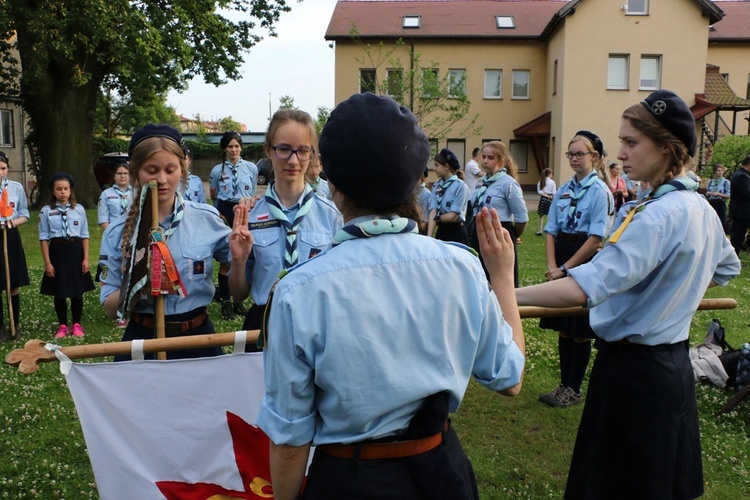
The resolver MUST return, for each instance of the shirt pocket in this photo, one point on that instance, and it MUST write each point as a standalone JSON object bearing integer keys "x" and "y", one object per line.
{"x": 311, "y": 243}
{"x": 199, "y": 262}
{"x": 268, "y": 248}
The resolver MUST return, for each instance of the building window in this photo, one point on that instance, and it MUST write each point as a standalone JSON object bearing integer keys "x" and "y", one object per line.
{"x": 505, "y": 22}
{"x": 367, "y": 80}
{"x": 617, "y": 72}
{"x": 493, "y": 84}
{"x": 456, "y": 82}
{"x": 6, "y": 128}
{"x": 519, "y": 151}
{"x": 650, "y": 71}
{"x": 748, "y": 87}
{"x": 725, "y": 76}
{"x": 430, "y": 83}
{"x": 394, "y": 83}
{"x": 411, "y": 22}
{"x": 637, "y": 8}
{"x": 521, "y": 79}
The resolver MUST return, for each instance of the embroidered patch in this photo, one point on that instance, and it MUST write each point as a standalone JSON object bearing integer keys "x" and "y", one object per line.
{"x": 198, "y": 267}
{"x": 448, "y": 204}
{"x": 263, "y": 224}
{"x": 263, "y": 216}
{"x": 489, "y": 198}
{"x": 75, "y": 222}
{"x": 103, "y": 275}
{"x": 314, "y": 252}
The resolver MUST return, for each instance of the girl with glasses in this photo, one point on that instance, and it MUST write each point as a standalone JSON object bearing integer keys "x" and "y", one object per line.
{"x": 115, "y": 200}
{"x": 288, "y": 225}
{"x": 577, "y": 224}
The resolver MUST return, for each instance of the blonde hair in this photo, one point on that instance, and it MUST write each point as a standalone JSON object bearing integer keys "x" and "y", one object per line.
{"x": 283, "y": 116}
{"x": 139, "y": 156}
{"x": 502, "y": 153}
{"x": 598, "y": 161}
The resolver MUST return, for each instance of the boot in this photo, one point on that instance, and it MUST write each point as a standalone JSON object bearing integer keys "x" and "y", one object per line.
{"x": 4, "y": 336}
{"x": 18, "y": 335}
{"x": 239, "y": 309}
{"x": 227, "y": 311}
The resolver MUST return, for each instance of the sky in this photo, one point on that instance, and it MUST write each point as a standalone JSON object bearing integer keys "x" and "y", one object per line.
{"x": 298, "y": 63}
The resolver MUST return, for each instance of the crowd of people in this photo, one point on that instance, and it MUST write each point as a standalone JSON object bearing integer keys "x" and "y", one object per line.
{"x": 347, "y": 272}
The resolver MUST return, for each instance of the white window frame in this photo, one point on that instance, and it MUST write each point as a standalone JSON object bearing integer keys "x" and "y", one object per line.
{"x": 411, "y": 22}
{"x": 636, "y": 7}
{"x": 653, "y": 80}
{"x": 505, "y": 22}
{"x": 614, "y": 65}
{"x": 497, "y": 84}
{"x": 519, "y": 151}
{"x": 517, "y": 73}
{"x": 456, "y": 83}
{"x": 6, "y": 128}
{"x": 394, "y": 76}
{"x": 374, "y": 73}
{"x": 435, "y": 80}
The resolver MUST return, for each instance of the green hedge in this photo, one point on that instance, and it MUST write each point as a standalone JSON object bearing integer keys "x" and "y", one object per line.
{"x": 199, "y": 149}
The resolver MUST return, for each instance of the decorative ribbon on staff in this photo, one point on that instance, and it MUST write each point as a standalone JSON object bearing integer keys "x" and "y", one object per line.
{"x": 6, "y": 214}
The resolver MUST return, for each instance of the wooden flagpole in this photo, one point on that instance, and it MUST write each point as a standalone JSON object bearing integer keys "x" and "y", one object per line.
{"x": 159, "y": 322}
{"x": 7, "y": 280}
{"x": 34, "y": 352}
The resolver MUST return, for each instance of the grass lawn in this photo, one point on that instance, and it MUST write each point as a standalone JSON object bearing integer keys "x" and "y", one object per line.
{"x": 518, "y": 447}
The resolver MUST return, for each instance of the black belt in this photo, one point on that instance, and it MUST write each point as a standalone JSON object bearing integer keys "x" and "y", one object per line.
{"x": 572, "y": 236}
{"x": 228, "y": 202}
{"x": 172, "y": 327}
{"x": 449, "y": 224}
{"x": 64, "y": 240}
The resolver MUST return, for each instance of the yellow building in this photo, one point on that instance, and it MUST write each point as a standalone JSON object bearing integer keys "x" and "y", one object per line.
{"x": 536, "y": 72}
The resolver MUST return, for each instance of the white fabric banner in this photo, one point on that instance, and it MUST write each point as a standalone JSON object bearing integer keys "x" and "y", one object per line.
{"x": 173, "y": 429}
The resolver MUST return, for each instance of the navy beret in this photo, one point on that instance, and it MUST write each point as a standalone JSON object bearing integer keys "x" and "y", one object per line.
{"x": 373, "y": 150}
{"x": 448, "y": 157}
{"x": 675, "y": 115}
{"x": 153, "y": 130}
{"x": 4, "y": 158}
{"x": 61, "y": 176}
{"x": 595, "y": 140}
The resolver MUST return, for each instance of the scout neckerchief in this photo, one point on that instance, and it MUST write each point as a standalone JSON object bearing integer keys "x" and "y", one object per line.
{"x": 291, "y": 255}
{"x": 136, "y": 271}
{"x": 680, "y": 184}
{"x": 123, "y": 194}
{"x": 486, "y": 183}
{"x": 390, "y": 224}
{"x": 713, "y": 186}
{"x": 443, "y": 185}
{"x": 6, "y": 209}
{"x": 571, "y": 218}
{"x": 63, "y": 211}
{"x": 315, "y": 185}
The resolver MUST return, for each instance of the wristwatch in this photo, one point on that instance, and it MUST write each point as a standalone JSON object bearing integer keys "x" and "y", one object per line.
{"x": 564, "y": 270}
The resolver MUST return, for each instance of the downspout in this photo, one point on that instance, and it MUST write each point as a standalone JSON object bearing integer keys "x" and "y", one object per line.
{"x": 411, "y": 73}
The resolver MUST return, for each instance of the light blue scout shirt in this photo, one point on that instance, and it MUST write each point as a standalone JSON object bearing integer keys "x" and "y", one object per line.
{"x": 592, "y": 213}
{"x": 110, "y": 204}
{"x": 200, "y": 238}
{"x": 426, "y": 202}
{"x": 17, "y": 199}
{"x": 194, "y": 190}
{"x": 646, "y": 287}
{"x": 321, "y": 188}
{"x": 221, "y": 180}
{"x": 360, "y": 335}
{"x": 505, "y": 196}
{"x": 451, "y": 195}
{"x": 50, "y": 223}
{"x": 718, "y": 186}
{"x": 266, "y": 260}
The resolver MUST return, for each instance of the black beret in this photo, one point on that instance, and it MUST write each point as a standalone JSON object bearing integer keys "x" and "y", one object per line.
{"x": 153, "y": 130}
{"x": 448, "y": 157}
{"x": 598, "y": 146}
{"x": 4, "y": 158}
{"x": 675, "y": 115}
{"x": 61, "y": 176}
{"x": 227, "y": 138}
{"x": 373, "y": 150}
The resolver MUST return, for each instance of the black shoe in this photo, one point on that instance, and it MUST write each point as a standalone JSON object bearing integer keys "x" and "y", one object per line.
{"x": 18, "y": 336}
{"x": 226, "y": 310}
{"x": 217, "y": 295}
{"x": 239, "y": 309}
{"x": 4, "y": 335}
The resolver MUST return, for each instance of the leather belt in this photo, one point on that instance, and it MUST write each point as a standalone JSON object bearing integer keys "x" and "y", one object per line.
{"x": 64, "y": 240}
{"x": 170, "y": 327}
{"x": 381, "y": 451}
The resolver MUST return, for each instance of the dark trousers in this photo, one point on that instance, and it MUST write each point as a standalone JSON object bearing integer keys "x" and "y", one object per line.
{"x": 720, "y": 206}
{"x": 738, "y": 233}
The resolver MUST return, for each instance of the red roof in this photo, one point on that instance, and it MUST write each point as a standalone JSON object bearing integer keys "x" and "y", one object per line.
{"x": 442, "y": 18}
{"x": 736, "y": 23}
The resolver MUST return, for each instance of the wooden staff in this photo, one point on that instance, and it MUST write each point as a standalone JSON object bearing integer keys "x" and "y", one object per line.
{"x": 543, "y": 312}
{"x": 7, "y": 280}
{"x": 27, "y": 359}
{"x": 159, "y": 322}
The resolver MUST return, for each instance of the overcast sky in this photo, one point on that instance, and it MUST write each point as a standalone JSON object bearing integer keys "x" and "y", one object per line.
{"x": 297, "y": 63}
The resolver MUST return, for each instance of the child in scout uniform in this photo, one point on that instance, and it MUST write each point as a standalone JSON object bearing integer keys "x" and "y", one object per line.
{"x": 452, "y": 196}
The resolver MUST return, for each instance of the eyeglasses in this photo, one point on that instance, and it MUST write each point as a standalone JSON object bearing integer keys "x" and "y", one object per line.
{"x": 122, "y": 173}
{"x": 285, "y": 152}
{"x": 578, "y": 155}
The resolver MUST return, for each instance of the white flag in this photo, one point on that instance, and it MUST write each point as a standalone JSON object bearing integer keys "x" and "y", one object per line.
{"x": 174, "y": 429}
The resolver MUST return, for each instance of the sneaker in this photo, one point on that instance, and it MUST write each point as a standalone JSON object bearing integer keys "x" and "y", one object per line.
{"x": 122, "y": 323}
{"x": 61, "y": 332}
{"x": 239, "y": 309}
{"x": 77, "y": 330}
{"x": 550, "y": 396}
{"x": 538, "y": 233}
{"x": 567, "y": 397}
{"x": 227, "y": 311}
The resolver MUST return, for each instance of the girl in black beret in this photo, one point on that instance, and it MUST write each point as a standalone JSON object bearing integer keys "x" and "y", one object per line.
{"x": 452, "y": 196}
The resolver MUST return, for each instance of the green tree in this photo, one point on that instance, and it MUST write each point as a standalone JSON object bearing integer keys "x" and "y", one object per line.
{"x": 66, "y": 51}
{"x": 123, "y": 115}
{"x": 286, "y": 102}
{"x": 439, "y": 104}
{"x": 229, "y": 124}
{"x": 321, "y": 118}
{"x": 730, "y": 150}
